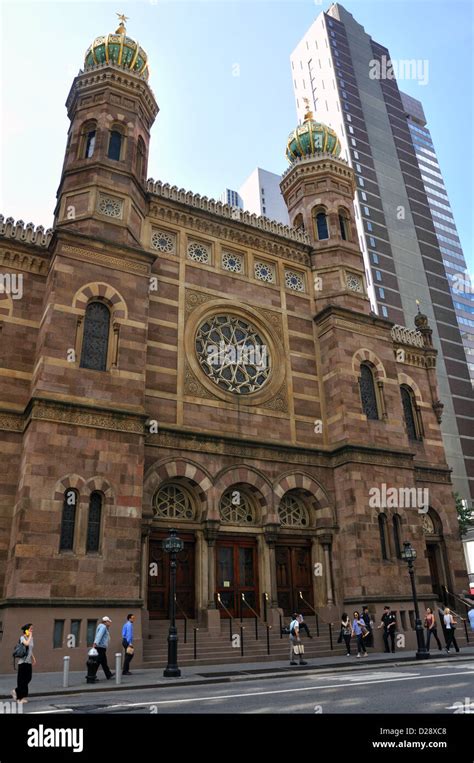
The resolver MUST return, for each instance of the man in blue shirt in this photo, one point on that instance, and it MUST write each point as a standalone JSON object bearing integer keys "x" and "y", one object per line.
{"x": 101, "y": 642}
{"x": 470, "y": 615}
{"x": 127, "y": 643}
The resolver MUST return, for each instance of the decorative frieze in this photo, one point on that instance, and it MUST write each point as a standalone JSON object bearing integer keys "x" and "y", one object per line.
{"x": 29, "y": 234}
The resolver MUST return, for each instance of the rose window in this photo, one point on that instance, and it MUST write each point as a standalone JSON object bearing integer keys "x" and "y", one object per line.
{"x": 292, "y": 512}
{"x": 162, "y": 241}
{"x": 110, "y": 206}
{"x": 265, "y": 272}
{"x": 232, "y": 354}
{"x": 232, "y": 262}
{"x": 172, "y": 503}
{"x": 199, "y": 252}
{"x": 235, "y": 508}
{"x": 294, "y": 280}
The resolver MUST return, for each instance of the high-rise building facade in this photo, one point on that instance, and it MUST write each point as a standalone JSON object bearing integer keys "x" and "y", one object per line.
{"x": 261, "y": 195}
{"x": 333, "y": 71}
{"x": 444, "y": 224}
{"x": 232, "y": 198}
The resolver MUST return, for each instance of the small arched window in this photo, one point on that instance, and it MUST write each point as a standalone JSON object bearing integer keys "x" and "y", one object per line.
{"x": 89, "y": 144}
{"x": 344, "y": 225}
{"x": 298, "y": 222}
{"x": 68, "y": 521}
{"x": 93, "y": 522}
{"x": 322, "y": 225}
{"x": 409, "y": 413}
{"x": 382, "y": 519}
{"x": 140, "y": 158}
{"x": 397, "y": 521}
{"x": 115, "y": 145}
{"x": 87, "y": 140}
{"x": 367, "y": 392}
{"x": 95, "y": 342}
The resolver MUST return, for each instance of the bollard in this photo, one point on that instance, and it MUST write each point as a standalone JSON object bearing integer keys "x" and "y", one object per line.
{"x": 66, "y": 661}
{"x": 118, "y": 668}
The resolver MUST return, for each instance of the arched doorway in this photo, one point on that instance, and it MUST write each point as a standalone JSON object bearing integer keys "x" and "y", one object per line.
{"x": 293, "y": 553}
{"x": 435, "y": 552}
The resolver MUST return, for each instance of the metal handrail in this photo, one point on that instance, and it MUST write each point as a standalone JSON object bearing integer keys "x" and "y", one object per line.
{"x": 256, "y": 615}
{"x": 455, "y": 596}
{"x": 230, "y": 616}
{"x": 185, "y": 618}
{"x": 314, "y": 612}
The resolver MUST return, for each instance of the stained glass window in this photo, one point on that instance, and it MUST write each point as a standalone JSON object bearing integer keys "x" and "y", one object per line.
{"x": 68, "y": 522}
{"x": 408, "y": 412}
{"x": 367, "y": 392}
{"x": 235, "y": 508}
{"x": 292, "y": 512}
{"x": 93, "y": 524}
{"x": 96, "y": 337}
{"x": 173, "y": 503}
{"x": 232, "y": 354}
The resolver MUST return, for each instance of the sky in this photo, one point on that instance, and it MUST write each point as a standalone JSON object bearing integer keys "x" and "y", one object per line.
{"x": 220, "y": 72}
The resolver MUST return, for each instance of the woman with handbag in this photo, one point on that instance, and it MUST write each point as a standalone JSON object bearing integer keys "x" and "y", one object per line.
{"x": 346, "y": 632}
{"x": 431, "y": 629}
{"x": 450, "y": 628}
{"x": 358, "y": 630}
{"x": 127, "y": 643}
{"x": 25, "y": 664}
{"x": 296, "y": 647}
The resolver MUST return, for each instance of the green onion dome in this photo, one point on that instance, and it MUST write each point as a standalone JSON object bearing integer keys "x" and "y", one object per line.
{"x": 312, "y": 138}
{"x": 120, "y": 50}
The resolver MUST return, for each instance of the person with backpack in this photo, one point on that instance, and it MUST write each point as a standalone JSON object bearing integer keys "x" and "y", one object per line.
{"x": 101, "y": 642}
{"x": 295, "y": 641}
{"x": 26, "y": 659}
{"x": 450, "y": 628}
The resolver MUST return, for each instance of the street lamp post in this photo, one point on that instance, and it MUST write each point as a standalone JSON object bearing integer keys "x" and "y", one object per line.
{"x": 172, "y": 545}
{"x": 409, "y": 555}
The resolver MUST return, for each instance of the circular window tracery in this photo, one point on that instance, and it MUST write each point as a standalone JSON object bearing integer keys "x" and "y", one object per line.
{"x": 232, "y": 354}
{"x": 235, "y": 508}
{"x": 292, "y": 512}
{"x": 428, "y": 525}
{"x": 171, "y": 502}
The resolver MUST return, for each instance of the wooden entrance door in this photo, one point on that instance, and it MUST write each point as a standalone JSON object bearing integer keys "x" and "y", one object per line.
{"x": 293, "y": 563}
{"x": 432, "y": 550}
{"x": 237, "y": 573}
{"x": 159, "y": 578}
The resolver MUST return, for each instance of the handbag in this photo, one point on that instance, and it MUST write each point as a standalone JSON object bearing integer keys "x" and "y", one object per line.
{"x": 130, "y": 650}
{"x": 20, "y": 651}
{"x": 298, "y": 648}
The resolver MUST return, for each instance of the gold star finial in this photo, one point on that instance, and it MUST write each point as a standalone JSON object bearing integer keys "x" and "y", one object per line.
{"x": 122, "y": 18}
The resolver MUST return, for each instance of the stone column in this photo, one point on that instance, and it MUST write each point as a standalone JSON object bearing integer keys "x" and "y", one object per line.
{"x": 326, "y": 542}
{"x": 213, "y": 617}
{"x": 271, "y": 535}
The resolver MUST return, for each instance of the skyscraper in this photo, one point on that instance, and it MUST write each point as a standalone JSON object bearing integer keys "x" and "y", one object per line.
{"x": 334, "y": 69}
{"x": 443, "y": 221}
{"x": 260, "y": 194}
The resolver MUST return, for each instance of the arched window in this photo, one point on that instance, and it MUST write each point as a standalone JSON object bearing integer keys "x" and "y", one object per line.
{"x": 140, "y": 158}
{"x": 383, "y": 535}
{"x": 93, "y": 522}
{"x": 115, "y": 145}
{"x": 322, "y": 225}
{"x": 87, "y": 140}
{"x": 68, "y": 521}
{"x": 344, "y": 225}
{"x": 397, "y": 522}
{"x": 89, "y": 143}
{"x": 292, "y": 512}
{"x": 95, "y": 343}
{"x": 236, "y": 508}
{"x": 298, "y": 222}
{"x": 409, "y": 413}
{"x": 367, "y": 392}
{"x": 172, "y": 502}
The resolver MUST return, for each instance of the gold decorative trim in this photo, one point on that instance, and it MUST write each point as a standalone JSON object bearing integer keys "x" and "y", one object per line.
{"x": 115, "y": 263}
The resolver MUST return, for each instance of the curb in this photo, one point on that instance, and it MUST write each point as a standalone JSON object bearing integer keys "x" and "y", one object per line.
{"x": 240, "y": 676}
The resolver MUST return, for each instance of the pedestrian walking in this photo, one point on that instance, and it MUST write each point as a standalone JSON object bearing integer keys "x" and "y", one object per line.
{"x": 25, "y": 665}
{"x": 389, "y": 625}
{"x": 470, "y": 615}
{"x": 127, "y": 643}
{"x": 101, "y": 642}
{"x": 346, "y": 632}
{"x": 369, "y": 624}
{"x": 431, "y": 629}
{"x": 303, "y": 626}
{"x": 450, "y": 628}
{"x": 296, "y": 647}
{"x": 358, "y": 629}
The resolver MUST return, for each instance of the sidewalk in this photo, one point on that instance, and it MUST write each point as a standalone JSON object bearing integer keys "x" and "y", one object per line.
{"x": 47, "y": 684}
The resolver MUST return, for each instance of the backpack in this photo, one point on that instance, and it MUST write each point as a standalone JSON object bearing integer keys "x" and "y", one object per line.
{"x": 19, "y": 652}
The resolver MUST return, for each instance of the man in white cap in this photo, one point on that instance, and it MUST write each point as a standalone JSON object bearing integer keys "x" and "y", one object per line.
{"x": 101, "y": 642}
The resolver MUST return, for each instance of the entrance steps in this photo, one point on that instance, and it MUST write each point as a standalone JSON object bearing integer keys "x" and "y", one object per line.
{"x": 217, "y": 648}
